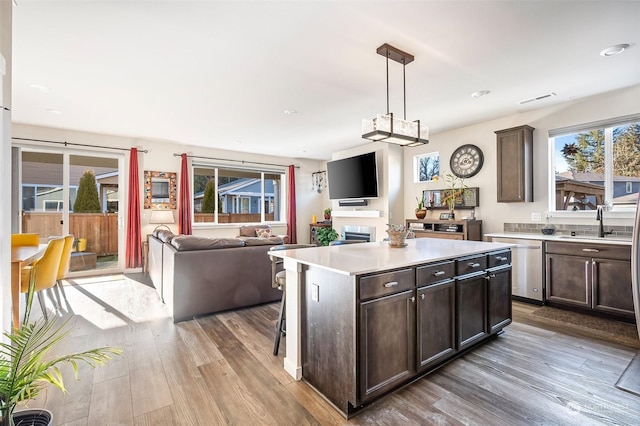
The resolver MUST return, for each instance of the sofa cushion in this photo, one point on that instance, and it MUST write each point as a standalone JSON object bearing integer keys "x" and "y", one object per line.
{"x": 164, "y": 235}
{"x": 190, "y": 242}
{"x": 250, "y": 230}
{"x": 257, "y": 241}
{"x": 264, "y": 233}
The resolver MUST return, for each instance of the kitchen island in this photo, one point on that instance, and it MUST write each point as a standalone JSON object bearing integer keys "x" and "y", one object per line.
{"x": 365, "y": 319}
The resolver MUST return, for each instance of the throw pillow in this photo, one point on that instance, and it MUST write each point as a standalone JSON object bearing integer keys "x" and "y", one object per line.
{"x": 263, "y": 233}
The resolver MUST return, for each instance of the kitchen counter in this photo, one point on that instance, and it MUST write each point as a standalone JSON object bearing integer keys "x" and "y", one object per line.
{"x": 330, "y": 276}
{"x": 609, "y": 239}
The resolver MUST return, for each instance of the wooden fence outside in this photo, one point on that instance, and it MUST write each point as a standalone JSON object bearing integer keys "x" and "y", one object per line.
{"x": 100, "y": 229}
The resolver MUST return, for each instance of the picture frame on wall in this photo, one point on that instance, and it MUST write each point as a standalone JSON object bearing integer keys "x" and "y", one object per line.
{"x": 426, "y": 167}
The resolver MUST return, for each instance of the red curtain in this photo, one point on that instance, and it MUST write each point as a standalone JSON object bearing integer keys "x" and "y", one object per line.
{"x": 291, "y": 205}
{"x": 133, "y": 253}
{"x": 184, "y": 206}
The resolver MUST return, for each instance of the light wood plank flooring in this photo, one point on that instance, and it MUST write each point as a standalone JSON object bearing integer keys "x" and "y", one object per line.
{"x": 219, "y": 370}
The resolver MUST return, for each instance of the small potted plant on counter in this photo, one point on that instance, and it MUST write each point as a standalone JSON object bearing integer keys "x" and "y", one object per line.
{"x": 327, "y": 214}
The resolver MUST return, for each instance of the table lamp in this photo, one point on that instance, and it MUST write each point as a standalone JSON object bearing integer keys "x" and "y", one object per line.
{"x": 162, "y": 217}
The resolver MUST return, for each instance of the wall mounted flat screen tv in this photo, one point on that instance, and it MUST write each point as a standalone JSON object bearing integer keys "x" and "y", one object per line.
{"x": 353, "y": 177}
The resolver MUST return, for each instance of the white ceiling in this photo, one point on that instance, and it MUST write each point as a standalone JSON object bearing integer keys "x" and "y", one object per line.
{"x": 221, "y": 73}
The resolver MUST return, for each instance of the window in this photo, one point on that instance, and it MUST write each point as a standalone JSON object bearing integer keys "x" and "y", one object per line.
{"x": 234, "y": 195}
{"x": 596, "y": 164}
{"x": 426, "y": 167}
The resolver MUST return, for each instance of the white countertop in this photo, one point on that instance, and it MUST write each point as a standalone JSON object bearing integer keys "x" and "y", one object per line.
{"x": 621, "y": 241}
{"x": 356, "y": 259}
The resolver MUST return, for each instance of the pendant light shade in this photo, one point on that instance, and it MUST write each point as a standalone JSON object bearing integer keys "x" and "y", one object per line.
{"x": 386, "y": 127}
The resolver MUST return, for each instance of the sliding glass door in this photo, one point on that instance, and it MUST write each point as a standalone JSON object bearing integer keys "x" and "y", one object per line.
{"x": 74, "y": 192}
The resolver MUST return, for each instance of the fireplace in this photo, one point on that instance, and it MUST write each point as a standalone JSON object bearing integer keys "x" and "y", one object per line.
{"x": 354, "y": 232}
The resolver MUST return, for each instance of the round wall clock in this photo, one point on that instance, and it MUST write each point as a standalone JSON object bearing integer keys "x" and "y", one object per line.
{"x": 466, "y": 161}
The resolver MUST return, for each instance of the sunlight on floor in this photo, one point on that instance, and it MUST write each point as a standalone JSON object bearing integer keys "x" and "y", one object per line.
{"x": 107, "y": 301}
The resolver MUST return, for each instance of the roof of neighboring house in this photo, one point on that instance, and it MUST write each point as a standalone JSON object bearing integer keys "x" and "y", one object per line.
{"x": 593, "y": 177}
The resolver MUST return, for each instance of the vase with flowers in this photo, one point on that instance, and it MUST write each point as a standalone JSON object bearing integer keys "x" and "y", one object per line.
{"x": 456, "y": 189}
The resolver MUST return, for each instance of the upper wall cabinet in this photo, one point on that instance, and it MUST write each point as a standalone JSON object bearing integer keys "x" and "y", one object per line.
{"x": 515, "y": 164}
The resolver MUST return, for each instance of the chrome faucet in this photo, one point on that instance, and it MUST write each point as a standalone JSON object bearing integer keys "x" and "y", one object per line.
{"x": 599, "y": 218}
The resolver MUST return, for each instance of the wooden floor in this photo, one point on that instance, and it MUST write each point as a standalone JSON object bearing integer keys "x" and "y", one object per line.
{"x": 219, "y": 370}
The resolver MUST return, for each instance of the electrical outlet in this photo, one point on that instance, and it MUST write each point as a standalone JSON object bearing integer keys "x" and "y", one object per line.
{"x": 536, "y": 217}
{"x": 315, "y": 290}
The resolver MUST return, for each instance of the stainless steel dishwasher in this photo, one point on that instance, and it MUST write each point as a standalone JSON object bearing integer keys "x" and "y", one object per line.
{"x": 527, "y": 268}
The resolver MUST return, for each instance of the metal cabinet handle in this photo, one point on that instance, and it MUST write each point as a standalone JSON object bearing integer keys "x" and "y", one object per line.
{"x": 413, "y": 299}
{"x": 501, "y": 258}
{"x": 488, "y": 277}
{"x": 473, "y": 265}
{"x": 591, "y": 250}
{"x": 422, "y": 296}
{"x": 438, "y": 273}
{"x": 391, "y": 284}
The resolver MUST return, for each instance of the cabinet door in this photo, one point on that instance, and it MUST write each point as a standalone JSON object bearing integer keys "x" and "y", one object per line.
{"x": 471, "y": 303}
{"x": 612, "y": 288}
{"x": 499, "y": 299}
{"x": 515, "y": 164}
{"x": 386, "y": 343}
{"x": 569, "y": 280}
{"x": 436, "y": 323}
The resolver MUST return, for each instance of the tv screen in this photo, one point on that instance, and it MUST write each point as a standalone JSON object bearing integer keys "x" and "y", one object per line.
{"x": 353, "y": 177}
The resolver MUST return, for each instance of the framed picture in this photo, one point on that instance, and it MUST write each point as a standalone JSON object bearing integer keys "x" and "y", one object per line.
{"x": 445, "y": 216}
{"x": 426, "y": 167}
{"x": 159, "y": 190}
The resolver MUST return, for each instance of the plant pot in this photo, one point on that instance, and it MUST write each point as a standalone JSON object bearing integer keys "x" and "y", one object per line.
{"x": 421, "y": 213}
{"x": 397, "y": 238}
{"x": 327, "y": 216}
{"x": 33, "y": 417}
{"x": 452, "y": 215}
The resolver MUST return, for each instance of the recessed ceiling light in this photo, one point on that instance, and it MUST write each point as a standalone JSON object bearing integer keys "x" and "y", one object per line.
{"x": 40, "y": 87}
{"x": 480, "y": 93}
{"x": 614, "y": 50}
{"x": 54, "y": 111}
{"x": 290, "y": 111}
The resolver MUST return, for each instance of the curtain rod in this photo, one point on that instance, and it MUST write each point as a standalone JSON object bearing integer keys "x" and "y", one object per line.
{"x": 65, "y": 143}
{"x": 235, "y": 161}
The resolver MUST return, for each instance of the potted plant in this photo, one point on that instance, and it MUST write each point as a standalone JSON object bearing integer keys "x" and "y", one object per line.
{"x": 421, "y": 210}
{"x": 456, "y": 188}
{"x": 26, "y": 365}
{"x": 327, "y": 214}
{"x": 326, "y": 235}
{"x": 397, "y": 235}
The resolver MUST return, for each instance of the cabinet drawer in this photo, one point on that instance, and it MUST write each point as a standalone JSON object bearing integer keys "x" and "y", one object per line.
{"x": 432, "y": 273}
{"x": 387, "y": 283}
{"x": 605, "y": 251}
{"x": 471, "y": 264}
{"x": 499, "y": 258}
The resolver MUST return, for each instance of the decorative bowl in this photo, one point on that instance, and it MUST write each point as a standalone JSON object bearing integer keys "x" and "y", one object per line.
{"x": 548, "y": 231}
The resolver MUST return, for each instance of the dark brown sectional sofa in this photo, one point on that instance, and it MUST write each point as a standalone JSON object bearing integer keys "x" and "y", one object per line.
{"x": 197, "y": 275}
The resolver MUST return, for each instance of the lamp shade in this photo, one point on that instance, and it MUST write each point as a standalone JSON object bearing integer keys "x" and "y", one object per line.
{"x": 162, "y": 217}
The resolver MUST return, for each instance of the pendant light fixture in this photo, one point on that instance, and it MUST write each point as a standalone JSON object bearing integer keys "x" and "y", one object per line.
{"x": 387, "y": 128}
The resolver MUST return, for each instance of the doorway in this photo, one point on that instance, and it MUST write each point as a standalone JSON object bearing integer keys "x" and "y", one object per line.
{"x": 74, "y": 192}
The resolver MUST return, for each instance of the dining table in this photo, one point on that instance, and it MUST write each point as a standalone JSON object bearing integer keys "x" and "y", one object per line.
{"x": 21, "y": 256}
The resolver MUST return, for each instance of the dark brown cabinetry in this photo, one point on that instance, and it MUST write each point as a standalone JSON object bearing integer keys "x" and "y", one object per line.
{"x": 436, "y": 314}
{"x": 387, "y": 330}
{"x": 595, "y": 277}
{"x": 450, "y": 229}
{"x": 402, "y": 323}
{"x": 515, "y": 164}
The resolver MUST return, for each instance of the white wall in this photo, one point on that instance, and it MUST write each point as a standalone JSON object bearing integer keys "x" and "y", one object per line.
{"x": 160, "y": 158}
{"x": 5, "y": 160}
{"x": 494, "y": 214}
{"x": 390, "y": 194}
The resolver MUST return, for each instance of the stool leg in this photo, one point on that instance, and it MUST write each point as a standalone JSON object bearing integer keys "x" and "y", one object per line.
{"x": 280, "y": 324}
